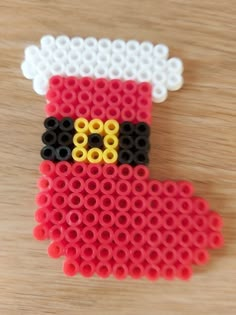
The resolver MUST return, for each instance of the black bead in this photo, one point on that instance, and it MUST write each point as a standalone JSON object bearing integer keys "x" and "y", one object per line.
{"x": 126, "y": 128}
{"x": 64, "y": 139}
{"x": 141, "y": 157}
{"x": 142, "y": 129}
{"x": 125, "y": 157}
{"x": 49, "y": 137}
{"x": 67, "y": 124}
{"x": 63, "y": 153}
{"x": 48, "y": 153}
{"x": 95, "y": 140}
{"x": 126, "y": 142}
{"x": 142, "y": 143}
{"x": 51, "y": 123}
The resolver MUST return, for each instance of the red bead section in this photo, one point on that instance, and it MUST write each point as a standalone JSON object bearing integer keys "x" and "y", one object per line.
{"x": 114, "y": 220}
{"x": 99, "y": 98}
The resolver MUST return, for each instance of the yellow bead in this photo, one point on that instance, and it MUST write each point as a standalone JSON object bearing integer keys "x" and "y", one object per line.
{"x": 80, "y": 140}
{"x": 111, "y": 127}
{"x": 96, "y": 126}
{"x": 94, "y": 155}
{"x": 110, "y": 156}
{"x": 110, "y": 142}
{"x": 81, "y": 125}
{"x": 79, "y": 154}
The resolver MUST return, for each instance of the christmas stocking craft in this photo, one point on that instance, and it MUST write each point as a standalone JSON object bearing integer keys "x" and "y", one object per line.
{"x": 97, "y": 203}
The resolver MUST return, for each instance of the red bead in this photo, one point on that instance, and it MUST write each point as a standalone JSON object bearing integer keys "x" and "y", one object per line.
{"x": 114, "y": 219}
{"x": 99, "y": 98}
{"x": 95, "y": 213}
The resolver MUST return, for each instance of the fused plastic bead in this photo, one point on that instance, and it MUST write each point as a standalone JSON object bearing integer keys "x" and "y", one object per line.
{"x": 141, "y": 157}
{"x": 58, "y": 139}
{"x": 175, "y": 235}
{"x": 175, "y": 65}
{"x": 111, "y": 142}
{"x": 81, "y": 125}
{"x": 79, "y": 154}
{"x": 159, "y": 93}
{"x": 48, "y": 153}
{"x": 49, "y": 137}
{"x": 51, "y": 123}
{"x": 111, "y": 127}
{"x": 177, "y": 228}
{"x": 64, "y": 139}
{"x": 89, "y": 135}
{"x": 80, "y": 140}
{"x": 96, "y": 126}
{"x": 98, "y": 112}
{"x": 174, "y": 81}
{"x": 63, "y": 153}
{"x": 66, "y": 124}
{"x": 126, "y": 142}
{"x": 102, "y": 58}
{"x": 95, "y": 155}
{"x": 112, "y": 219}
{"x": 125, "y": 157}
{"x": 110, "y": 155}
{"x": 79, "y": 101}
{"x": 95, "y": 140}
{"x": 63, "y": 169}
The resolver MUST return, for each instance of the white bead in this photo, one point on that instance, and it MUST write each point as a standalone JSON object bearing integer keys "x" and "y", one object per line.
{"x": 43, "y": 68}
{"x": 129, "y": 73}
{"x": 104, "y": 44}
{"x": 31, "y": 52}
{"x": 101, "y": 71}
{"x": 175, "y": 65}
{"x": 118, "y": 46}
{"x": 74, "y": 56}
{"x": 146, "y": 48}
{"x": 103, "y": 58}
{"x": 50, "y": 50}
{"x": 57, "y": 68}
{"x": 63, "y": 42}
{"x": 86, "y": 70}
{"x": 145, "y": 61}
{"x": 132, "y": 47}
{"x": 114, "y": 72}
{"x": 72, "y": 69}
{"x": 118, "y": 60}
{"x": 47, "y": 41}
{"x": 40, "y": 84}
{"x": 144, "y": 75}
{"x": 131, "y": 61}
{"x": 60, "y": 56}
{"x": 35, "y": 60}
{"x": 89, "y": 57}
{"x": 174, "y": 81}
{"x": 77, "y": 43}
{"x": 159, "y": 93}
{"x": 160, "y": 65}
{"x": 46, "y": 54}
{"x": 91, "y": 43}
{"x": 28, "y": 70}
{"x": 160, "y": 51}
{"x": 159, "y": 78}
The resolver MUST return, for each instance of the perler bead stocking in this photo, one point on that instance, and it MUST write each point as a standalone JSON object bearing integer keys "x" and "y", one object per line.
{"x": 97, "y": 203}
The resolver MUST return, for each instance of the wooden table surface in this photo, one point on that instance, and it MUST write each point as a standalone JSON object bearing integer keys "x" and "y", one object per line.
{"x": 193, "y": 138}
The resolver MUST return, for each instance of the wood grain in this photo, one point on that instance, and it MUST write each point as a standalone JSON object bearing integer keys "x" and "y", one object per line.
{"x": 193, "y": 138}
